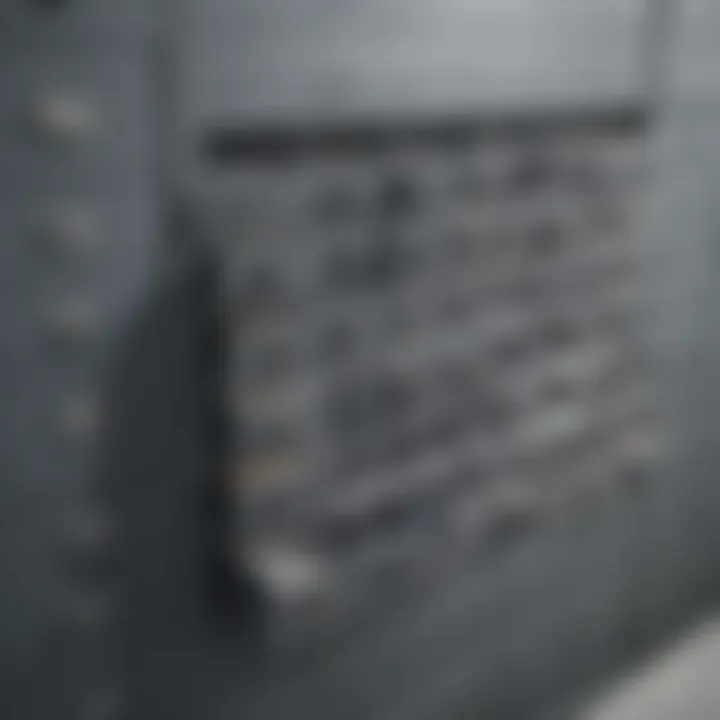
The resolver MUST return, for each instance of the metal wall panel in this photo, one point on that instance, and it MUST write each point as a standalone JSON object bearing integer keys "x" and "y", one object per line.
{"x": 250, "y": 60}
{"x": 79, "y": 219}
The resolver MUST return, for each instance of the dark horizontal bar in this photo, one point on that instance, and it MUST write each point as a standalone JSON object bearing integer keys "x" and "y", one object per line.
{"x": 285, "y": 143}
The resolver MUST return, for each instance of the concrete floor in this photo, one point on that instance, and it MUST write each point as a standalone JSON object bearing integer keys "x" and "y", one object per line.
{"x": 682, "y": 683}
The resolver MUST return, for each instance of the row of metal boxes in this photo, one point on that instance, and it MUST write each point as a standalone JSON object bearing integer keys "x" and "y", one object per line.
{"x": 438, "y": 346}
